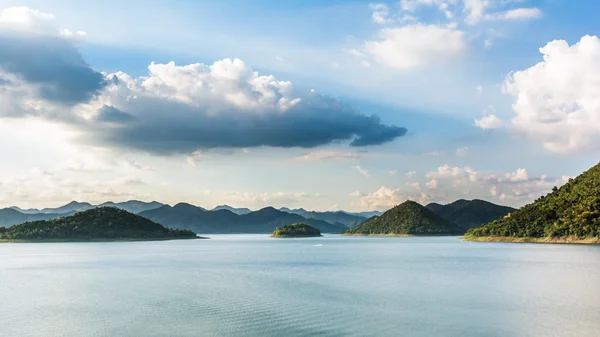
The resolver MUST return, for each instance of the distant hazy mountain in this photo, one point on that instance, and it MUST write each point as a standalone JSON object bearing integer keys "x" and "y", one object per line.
{"x": 299, "y": 211}
{"x": 408, "y": 218}
{"x": 348, "y": 220}
{"x": 224, "y": 221}
{"x": 134, "y": 206}
{"x": 10, "y": 217}
{"x": 470, "y": 213}
{"x": 365, "y": 215}
{"x": 73, "y": 206}
{"x": 238, "y": 211}
{"x": 26, "y": 211}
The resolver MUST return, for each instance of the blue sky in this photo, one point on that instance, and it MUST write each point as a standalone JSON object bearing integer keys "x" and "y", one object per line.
{"x": 467, "y": 105}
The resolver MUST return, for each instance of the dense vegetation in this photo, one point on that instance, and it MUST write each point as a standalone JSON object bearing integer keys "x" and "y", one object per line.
{"x": 299, "y": 230}
{"x": 570, "y": 211}
{"x": 470, "y": 213}
{"x": 103, "y": 223}
{"x": 408, "y": 218}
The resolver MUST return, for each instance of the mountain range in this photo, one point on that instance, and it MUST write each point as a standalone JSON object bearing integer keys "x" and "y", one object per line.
{"x": 227, "y": 219}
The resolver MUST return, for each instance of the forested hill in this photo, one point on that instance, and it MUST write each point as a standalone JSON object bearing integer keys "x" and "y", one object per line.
{"x": 470, "y": 213}
{"x": 408, "y": 218}
{"x": 103, "y": 223}
{"x": 570, "y": 211}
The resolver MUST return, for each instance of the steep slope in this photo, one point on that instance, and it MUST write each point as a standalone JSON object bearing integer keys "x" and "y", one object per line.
{"x": 470, "y": 213}
{"x": 102, "y": 223}
{"x": 569, "y": 213}
{"x": 408, "y": 218}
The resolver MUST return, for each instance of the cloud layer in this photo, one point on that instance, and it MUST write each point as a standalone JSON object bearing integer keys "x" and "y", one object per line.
{"x": 33, "y": 50}
{"x": 175, "y": 109}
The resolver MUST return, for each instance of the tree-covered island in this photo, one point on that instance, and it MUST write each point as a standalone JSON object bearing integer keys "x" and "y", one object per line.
{"x": 299, "y": 230}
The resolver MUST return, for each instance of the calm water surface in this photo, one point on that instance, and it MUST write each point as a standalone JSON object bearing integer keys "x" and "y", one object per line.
{"x": 250, "y": 285}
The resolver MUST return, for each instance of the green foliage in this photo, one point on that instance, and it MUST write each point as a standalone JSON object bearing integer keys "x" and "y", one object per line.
{"x": 570, "y": 211}
{"x": 470, "y": 213}
{"x": 296, "y": 230}
{"x": 105, "y": 223}
{"x": 408, "y": 218}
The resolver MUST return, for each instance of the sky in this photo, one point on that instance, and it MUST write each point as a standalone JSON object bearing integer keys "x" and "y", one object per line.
{"x": 324, "y": 105}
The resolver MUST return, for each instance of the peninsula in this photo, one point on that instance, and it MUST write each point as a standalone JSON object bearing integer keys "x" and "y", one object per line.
{"x": 570, "y": 214}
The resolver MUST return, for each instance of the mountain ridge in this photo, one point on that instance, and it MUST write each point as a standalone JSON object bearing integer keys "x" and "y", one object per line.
{"x": 470, "y": 213}
{"x": 224, "y": 221}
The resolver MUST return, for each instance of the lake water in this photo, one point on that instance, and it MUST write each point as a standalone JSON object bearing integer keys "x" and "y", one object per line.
{"x": 250, "y": 285}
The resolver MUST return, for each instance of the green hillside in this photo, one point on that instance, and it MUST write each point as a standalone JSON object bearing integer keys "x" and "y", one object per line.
{"x": 103, "y": 223}
{"x": 470, "y": 213}
{"x": 408, "y": 218}
{"x": 569, "y": 213}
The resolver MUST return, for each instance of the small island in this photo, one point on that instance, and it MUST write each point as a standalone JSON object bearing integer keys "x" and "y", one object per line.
{"x": 98, "y": 224}
{"x": 570, "y": 214}
{"x": 407, "y": 219}
{"x": 299, "y": 230}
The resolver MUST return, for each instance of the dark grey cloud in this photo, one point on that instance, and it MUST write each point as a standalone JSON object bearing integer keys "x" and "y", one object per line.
{"x": 242, "y": 110}
{"x": 165, "y": 127}
{"x": 111, "y": 114}
{"x": 53, "y": 63}
{"x": 4, "y": 82}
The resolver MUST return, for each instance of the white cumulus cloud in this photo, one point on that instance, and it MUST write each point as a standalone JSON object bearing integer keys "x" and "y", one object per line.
{"x": 557, "y": 100}
{"x": 417, "y": 45}
{"x": 362, "y": 171}
{"x": 489, "y": 122}
{"x": 516, "y": 14}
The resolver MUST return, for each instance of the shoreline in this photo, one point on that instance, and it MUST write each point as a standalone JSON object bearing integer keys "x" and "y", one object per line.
{"x": 100, "y": 240}
{"x": 401, "y": 235}
{"x": 294, "y": 236}
{"x": 547, "y": 240}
